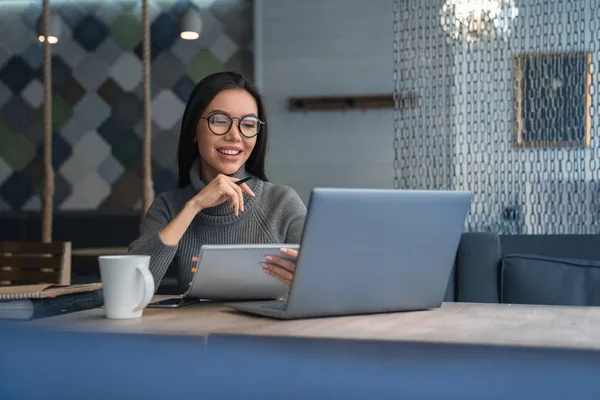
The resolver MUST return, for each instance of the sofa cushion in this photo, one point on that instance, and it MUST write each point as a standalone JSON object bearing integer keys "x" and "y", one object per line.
{"x": 533, "y": 279}
{"x": 477, "y": 267}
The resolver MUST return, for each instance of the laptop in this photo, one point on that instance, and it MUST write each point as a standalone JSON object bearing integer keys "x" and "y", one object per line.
{"x": 366, "y": 251}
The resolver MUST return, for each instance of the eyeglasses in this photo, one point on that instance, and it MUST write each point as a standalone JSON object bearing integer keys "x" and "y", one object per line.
{"x": 220, "y": 124}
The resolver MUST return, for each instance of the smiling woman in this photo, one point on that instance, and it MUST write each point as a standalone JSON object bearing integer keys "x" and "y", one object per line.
{"x": 223, "y": 140}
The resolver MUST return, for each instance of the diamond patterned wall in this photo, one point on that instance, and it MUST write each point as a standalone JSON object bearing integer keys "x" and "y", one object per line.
{"x": 97, "y": 96}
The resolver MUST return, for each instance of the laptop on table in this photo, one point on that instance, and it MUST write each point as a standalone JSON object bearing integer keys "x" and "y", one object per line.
{"x": 367, "y": 251}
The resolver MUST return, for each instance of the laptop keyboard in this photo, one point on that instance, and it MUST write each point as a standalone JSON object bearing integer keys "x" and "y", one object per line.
{"x": 281, "y": 306}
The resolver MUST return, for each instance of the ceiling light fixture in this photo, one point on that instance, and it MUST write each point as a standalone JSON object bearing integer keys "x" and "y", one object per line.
{"x": 55, "y": 29}
{"x": 190, "y": 24}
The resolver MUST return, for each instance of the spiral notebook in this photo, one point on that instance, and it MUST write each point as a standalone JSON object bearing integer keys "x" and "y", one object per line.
{"x": 44, "y": 290}
{"x": 25, "y": 302}
{"x": 233, "y": 272}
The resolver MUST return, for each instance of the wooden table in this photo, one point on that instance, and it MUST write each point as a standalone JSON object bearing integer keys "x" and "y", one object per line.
{"x": 466, "y": 323}
{"x": 226, "y": 354}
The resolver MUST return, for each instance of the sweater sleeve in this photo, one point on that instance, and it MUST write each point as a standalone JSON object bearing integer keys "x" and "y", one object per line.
{"x": 150, "y": 243}
{"x": 297, "y": 216}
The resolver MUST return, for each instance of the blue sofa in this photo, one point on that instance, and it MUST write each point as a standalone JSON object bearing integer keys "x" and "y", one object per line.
{"x": 526, "y": 269}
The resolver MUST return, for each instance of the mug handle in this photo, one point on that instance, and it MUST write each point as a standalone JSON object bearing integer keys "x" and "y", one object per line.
{"x": 148, "y": 288}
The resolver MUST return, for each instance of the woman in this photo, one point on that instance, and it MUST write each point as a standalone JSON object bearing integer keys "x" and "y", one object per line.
{"x": 223, "y": 139}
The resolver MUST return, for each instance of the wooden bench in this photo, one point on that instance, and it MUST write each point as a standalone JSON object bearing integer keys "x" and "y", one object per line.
{"x": 26, "y": 263}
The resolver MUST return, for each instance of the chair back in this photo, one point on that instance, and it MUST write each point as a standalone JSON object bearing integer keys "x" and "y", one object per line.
{"x": 29, "y": 263}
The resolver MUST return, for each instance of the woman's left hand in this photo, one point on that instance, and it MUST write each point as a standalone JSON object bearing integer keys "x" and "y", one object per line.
{"x": 281, "y": 268}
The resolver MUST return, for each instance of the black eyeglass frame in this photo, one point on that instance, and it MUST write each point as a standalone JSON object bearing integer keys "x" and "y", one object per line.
{"x": 239, "y": 124}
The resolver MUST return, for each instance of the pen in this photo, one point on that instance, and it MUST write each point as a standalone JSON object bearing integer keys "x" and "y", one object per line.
{"x": 243, "y": 180}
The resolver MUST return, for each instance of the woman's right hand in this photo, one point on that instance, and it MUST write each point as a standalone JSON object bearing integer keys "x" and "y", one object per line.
{"x": 221, "y": 188}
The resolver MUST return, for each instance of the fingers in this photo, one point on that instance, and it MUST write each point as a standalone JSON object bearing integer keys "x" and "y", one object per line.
{"x": 288, "y": 265}
{"x": 226, "y": 189}
{"x": 280, "y": 267}
{"x": 276, "y": 271}
{"x": 290, "y": 253}
{"x": 239, "y": 194}
{"x": 247, "y": 189}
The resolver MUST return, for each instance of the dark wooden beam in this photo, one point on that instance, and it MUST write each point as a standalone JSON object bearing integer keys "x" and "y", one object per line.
{"x": 361, "y": 102}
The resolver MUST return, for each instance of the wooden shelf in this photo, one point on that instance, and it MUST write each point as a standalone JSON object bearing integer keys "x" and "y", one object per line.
{"x": 98, "y": 251}
{"x": 360, "y": 102}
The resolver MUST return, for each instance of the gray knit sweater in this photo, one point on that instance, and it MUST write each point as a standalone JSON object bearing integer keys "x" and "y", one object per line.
{"x": 276, "y": 215}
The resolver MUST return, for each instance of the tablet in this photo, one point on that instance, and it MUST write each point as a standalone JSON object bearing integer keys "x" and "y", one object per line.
{"x": 233, "y": 272}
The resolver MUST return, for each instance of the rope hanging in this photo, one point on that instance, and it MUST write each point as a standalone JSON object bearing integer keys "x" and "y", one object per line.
{"x": 147, "y": 184}
{"x": 48, "y": 194}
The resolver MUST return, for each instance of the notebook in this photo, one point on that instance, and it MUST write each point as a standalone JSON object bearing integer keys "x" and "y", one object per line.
{"x": 44, "y": 290}
{"x": 233, "y": 272}
{"x": 28, "y": 309}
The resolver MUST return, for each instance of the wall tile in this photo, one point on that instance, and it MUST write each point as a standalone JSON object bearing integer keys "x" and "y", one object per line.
{"x": 16, "y": 36}
{"x": 164, "y": 180}
{"x": 15, "y": 149}
{"x": 164, "y": 31}
{"x": 126, "y": 31}
{"x": 127, "y": 148}
{"x": 90, "y": 33}
{"x": 109, "y": 11}
{"x": 61, "y": 151}
{"x": 164, "y": 149}
{"x": 184, "y": 88}
{"x": 73, "y": 169}
{"x": 33, "y": 56}
{"x": 61, "y": 112}
{"x": 223, "y": 48}
{"x": 127, "y": 71}
{"x": 16, "y": 190}
{"x": 88, "y": 194}
{"x": 5, "y": 94}
{"x": 166, "y": 70}
{"x": 17, "y": 114}
{"x": 71, "y": 13}
{"x": 33, "y": 93}
{"x": 5, "y": 171}
{"x": 125, "y": 192}
{"x": 110, "y": 91}
{"x": 204, "y": 63}
{"x": 33, "y": 204}
{"x": 93, "y": 148}
{"x": 110, "y": 169}
{"x": 35, "y": 133}
{"x": 166, "y": 109}
{"x": 16, "y": 74}
{"x": 72, "y": 92}
{"x": 62, "y": 190}
{"x": 90, "y": 73}
{"x": 154, "y": 51}
{"x": 73, "y": 131}
{"x": 70, "y": 51}
{"x": 61, "y": 73}
{"x": 108, "y": 52}
{"x": 97, "y": 98}
{"x": 34, "y": 171}
{"x": 91, "y": 111}
{"x": 127, "y": 111}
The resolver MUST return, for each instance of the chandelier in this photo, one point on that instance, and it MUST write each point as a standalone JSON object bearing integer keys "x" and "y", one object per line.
{"x": 470, "y": 20}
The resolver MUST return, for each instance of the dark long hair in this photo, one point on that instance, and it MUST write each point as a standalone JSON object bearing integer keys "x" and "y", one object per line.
{"x": 204, "y": 92}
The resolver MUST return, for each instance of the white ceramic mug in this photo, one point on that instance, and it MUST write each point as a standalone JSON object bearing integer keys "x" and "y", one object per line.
{"x": 127, "y": 284}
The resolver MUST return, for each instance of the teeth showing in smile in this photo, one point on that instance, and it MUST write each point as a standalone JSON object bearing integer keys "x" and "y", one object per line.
{"x": 229, "y": 152}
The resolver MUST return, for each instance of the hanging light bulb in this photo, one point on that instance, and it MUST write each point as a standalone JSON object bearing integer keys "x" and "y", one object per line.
{"x": 470, "y": 20}
{"x": 54, "y": 31}
{"x": 190, "y": 24}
